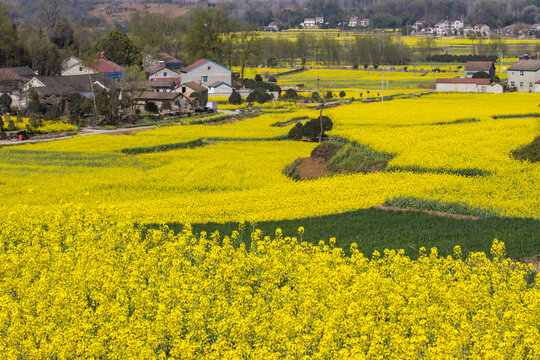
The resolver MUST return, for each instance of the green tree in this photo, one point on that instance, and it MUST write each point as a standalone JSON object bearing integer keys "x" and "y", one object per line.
{"x": 5, "y": 102}
{"x": 119, "y": 49}
{"x": 481, "y": 75}
{"x": 62, "y": 35}
{"x": 8, "y": 40}
{"x": 235, "y": 98}
{"x": 34, "y": 105}
{"x": 204, "y": 38}
{"x": 342, "y": 94}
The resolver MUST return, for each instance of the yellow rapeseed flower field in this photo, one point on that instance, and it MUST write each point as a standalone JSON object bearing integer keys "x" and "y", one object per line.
{"x": 83, "y": 277}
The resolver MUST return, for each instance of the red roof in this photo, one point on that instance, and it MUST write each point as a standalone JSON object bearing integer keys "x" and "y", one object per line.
{"x": 479, "y": 25}
{"x": 464, "y": 81}
{"x": 478, "y": 66}
{"x": 195, "y": 86}
{"x": 107, "y": 66}
{"x": 194, "y": 65}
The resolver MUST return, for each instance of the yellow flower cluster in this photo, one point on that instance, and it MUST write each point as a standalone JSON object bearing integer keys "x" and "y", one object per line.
{"x": 75, "y": 285}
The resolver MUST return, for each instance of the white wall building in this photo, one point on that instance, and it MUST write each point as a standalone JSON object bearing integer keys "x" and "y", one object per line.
{"x": 74, "y": 66}
{"x": 206, "y": 72}
{"x": 524, "y": 75}
{"x": 469, "y": 86}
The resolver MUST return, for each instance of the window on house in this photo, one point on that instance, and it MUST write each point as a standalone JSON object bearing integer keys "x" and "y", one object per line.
{"x": 164, "y": 73}
{"x": 204, "y": 78}
{"x": 209, "y": 68}
{"x": 521, "y": 84}
{"x": 512, "y": 84}
{"x": 183, "y": 89}
{"x": 80, "y": 68}
{"x": 530, "y": 84}
{"x": 521, "y": 73}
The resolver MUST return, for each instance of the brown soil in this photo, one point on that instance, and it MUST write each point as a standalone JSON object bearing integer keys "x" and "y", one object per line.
{"x": 226, "y": 121}
{"x": 325, "y": 152}
{"x": 308, "y": 168}
{"x": 430, "y": 212}
{"x": 535, "y": 261}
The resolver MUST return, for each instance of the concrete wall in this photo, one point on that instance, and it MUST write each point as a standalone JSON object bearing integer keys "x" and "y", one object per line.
{"x": 456, "y": 87}
{"x": 78, "y": 70}
{"x": 211, "y": 71}
{"x": 164, "y": 74}
{"x": 524, "y": 81}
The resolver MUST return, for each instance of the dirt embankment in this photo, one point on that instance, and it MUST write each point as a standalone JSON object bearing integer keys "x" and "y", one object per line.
{"x": 315, "y": 166}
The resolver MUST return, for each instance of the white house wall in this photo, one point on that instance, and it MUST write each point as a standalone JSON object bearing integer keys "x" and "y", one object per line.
{"x": 164, "y": 74}
{"x": 78, "y": 70}
{"x": 523, "y": 82}
{"x": 214, "y": 74}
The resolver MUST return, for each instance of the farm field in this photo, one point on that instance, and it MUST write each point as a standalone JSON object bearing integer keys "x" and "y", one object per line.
{"x": 110, "y": 241}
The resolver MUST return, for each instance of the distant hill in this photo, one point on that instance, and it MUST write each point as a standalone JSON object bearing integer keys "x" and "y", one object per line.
{"x": 121, "y": 12}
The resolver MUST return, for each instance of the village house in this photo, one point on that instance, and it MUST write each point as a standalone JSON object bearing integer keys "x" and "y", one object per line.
{"x": 364, "y": 22}
{"x": 468, "y": 85}
{"x": 319, "y": 20}
{"x": 162, "y": 73}
{"x": 205, "y": 72}
{"x": 353, "y": 21}
{"x": 482, "y": 29}
{"x": 54, "y": 90}
{"x": 165, "y": 59}
{"x": 524, "y": 75}
{"x": 74, "y": 66}
{"x": 12, "y": 81}
{"x": 220, "y": 88}
{"x": 441, "y": 28}
{"x": 309, "y": 23}
{"x": 472, "y": 67}
{"x": 177, "y": 101}
{"x": 273, "y": 26}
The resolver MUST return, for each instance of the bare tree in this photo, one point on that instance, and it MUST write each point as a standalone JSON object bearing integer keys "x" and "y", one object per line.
{"x": 50, "y": 12}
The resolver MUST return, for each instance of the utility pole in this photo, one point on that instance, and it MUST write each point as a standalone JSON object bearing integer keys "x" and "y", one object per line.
{"x": 382, "y": 85}
{"x": 318, "y": 82}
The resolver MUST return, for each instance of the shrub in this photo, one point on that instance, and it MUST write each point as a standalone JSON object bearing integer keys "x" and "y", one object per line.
{"x": 259, "y": 95}
{"x": 11, "y": 126}
{"x": 272, "y": 80}
{"x": 481, "y": 75}
{"x": 342, "y": 94}
{"x": 272, "y": 62}
{"x": 296, "y": 132}
{"x": 151, "y": 107}
{"x": 355, "y": 66}
{"x": 1, "y": 123}
{"x": 315, "y": 97}
{"x": 250, "y": 84}
{"x": 366, "y": 66}
{"x": 329, "y": 95}
{"x": 258, "y": 78}
{"x": 311, "y": 129}
{"x": 235, "y": 98}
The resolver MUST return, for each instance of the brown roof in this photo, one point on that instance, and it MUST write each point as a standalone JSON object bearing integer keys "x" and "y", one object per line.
{"x": 526, "y": 65}
{"x": 159, "y": 96}
{"x": 464, "y": 81}
{"x": 149, "y": 70}
{"x": 66, "y": 85}
{"x": 195, "y": 86}
{"x": 16, "y": 73}
{"x": 194, "y": 65}
{"x": 478, "y": 66}
{"x": 167, "y": 58}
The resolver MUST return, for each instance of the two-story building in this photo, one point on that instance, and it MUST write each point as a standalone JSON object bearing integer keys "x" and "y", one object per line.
{"x": 74, "y": 66}
{"x": 524, "y": 75}
{"x": 206, "y": 72}
{"x": 353, "y": 21}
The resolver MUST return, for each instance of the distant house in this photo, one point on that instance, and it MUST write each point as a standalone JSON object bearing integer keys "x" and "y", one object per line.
{"x": 364, "y": 22}
{"x": 220, "y": 88}
{"x": 54, "y": 90}
{"x": 177, "y": 101}
{"x": 481, "y": 28}
{"x": 469, "y": 85}
{"x": 537, "y": 87}
{"x": 74, "y": 66}
{"x": 319, "y": 20}
{"x": 353, "y": 21}
{"x": 309, "y": 23}
{"x": 12, "y": 81}
{"x": 273, "y": 26}
{"x": 162, "y": 73}
{"x": 441, "y": 28}
{"x": 165, "y": 59}
{"x": 467, "y": 30}
{"x": 524, "y": 75}
{"x": 205, "y": 72}
{"x": 428, "y": 31}
{"x": 534, "y": 28}
{"x": 473, "y": 67}
{"x": 418, "y": 25}
{"x": 456, "y": 25}
{"x": 161, "y": 85}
